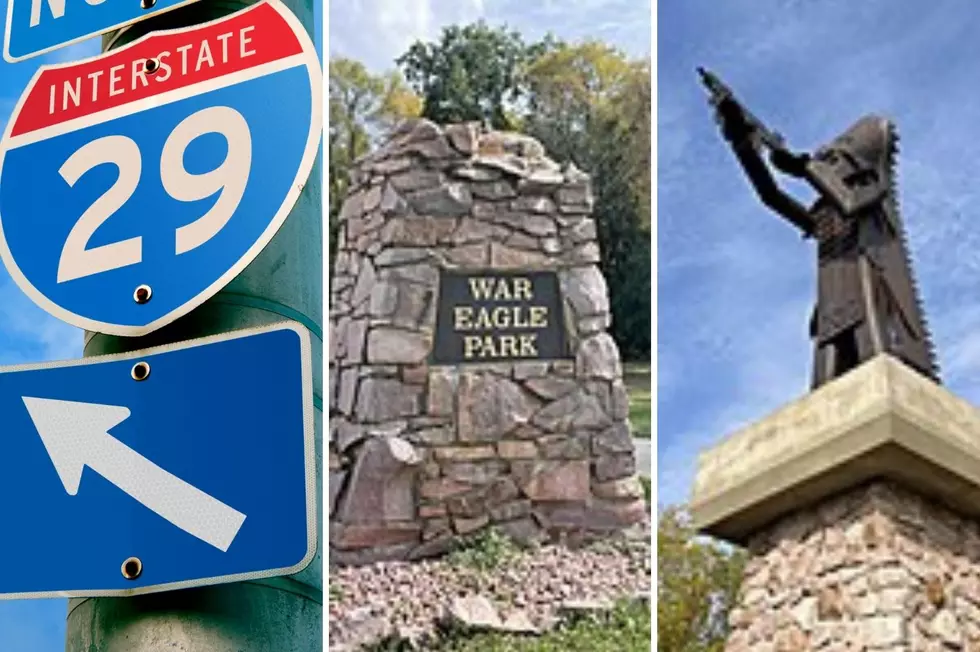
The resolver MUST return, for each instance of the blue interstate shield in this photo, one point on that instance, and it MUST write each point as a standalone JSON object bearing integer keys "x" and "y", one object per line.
{"x": 120, "y": 216}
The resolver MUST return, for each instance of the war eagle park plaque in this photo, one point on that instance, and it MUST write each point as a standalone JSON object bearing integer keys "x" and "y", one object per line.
{"x": 497, "y": 316}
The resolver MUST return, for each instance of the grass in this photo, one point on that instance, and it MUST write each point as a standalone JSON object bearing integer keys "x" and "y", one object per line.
{"x": 636, "y": 375}
{"x": 488, "y": 551}
{"x": 625, "y": 629}
{"x": 647, "y": 492}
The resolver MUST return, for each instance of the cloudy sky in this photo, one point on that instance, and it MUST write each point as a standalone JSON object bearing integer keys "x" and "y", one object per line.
{"x": 28, "y": 334}
{"x": 736, "y": 283}
{"x": 376, "y": 32}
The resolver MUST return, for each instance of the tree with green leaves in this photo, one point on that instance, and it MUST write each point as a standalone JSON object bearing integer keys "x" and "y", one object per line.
{"x": 362, "y": 107}
{"x": 590, "y": 104}
{"x": 697, "y": 585}
{"x": 472, "y": 73}
{"x": 571, "y": 86}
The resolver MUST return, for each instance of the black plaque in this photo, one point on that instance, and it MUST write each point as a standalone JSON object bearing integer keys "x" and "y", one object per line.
{"x": 497, "y": 316}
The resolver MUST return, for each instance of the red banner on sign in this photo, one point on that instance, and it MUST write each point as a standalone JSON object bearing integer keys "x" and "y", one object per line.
{"x": 180, "y": 58}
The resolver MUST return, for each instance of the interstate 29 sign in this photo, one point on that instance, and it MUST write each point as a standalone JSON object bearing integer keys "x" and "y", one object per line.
{"x": 136, "y": 184}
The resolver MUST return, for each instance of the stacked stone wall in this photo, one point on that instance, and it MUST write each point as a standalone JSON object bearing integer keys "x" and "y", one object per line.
{"x": 423, "y": 454}
{"x": 877, "y": 568}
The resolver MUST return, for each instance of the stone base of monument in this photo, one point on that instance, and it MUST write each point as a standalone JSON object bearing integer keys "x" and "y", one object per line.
{"x": 473, "y": 382}
{"x": 859, "y": 505}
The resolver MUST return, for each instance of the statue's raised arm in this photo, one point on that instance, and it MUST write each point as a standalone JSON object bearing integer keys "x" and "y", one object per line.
{"x": 747, "y": 137}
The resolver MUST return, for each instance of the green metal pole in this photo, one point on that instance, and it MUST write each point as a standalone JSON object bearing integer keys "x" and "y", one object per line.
{"x": 284, "y": 282}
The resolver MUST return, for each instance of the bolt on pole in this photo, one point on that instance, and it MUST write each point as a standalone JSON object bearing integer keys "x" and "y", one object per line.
{"x": 285, "y": 282}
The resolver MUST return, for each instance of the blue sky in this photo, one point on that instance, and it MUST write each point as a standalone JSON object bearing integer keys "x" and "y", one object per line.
{"x": 736, "y": 283}
{"x": 28, "y": 334}
{"x": 375, "y": 32}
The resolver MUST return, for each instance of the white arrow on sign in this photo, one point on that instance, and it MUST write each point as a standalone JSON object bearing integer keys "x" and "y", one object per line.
{"x": 76, "y": 435}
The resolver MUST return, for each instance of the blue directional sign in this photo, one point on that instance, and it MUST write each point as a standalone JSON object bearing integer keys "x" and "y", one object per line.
{"x": 180, "y": 466}
{"x": 35, "y": 27}
{"x": 135, "y": 185}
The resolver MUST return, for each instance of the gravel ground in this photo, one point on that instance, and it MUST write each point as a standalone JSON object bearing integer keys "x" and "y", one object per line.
{"x": 412, "y": 598}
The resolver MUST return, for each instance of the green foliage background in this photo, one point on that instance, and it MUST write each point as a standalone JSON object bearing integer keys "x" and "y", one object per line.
{"x": 697, "y": 585}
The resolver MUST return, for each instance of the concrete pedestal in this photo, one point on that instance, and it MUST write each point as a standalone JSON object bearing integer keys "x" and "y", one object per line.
{"x": 859, "y": 504}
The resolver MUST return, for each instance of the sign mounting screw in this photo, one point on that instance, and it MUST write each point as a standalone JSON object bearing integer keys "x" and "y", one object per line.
{"x": 140, "y": 371}
{"x": 142, "y": 294}
{"x": 132, "y": 568}
{"x": 147, "y": 4}
{"x": 151, "y": 66}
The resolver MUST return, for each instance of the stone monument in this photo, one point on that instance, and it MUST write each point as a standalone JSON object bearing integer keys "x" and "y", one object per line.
{"x": 472, "y": 380}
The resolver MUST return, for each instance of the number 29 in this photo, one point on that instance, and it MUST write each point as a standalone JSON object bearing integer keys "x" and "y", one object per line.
{"x": 229, "y": 178}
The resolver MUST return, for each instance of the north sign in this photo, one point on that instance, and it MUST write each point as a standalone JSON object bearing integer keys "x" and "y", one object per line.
{"x": 180, "y": 466}
{"x": 137, "y": 184}
{"x": 35, "y": 27}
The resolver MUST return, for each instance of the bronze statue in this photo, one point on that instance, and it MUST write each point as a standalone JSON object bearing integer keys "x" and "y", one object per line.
{"x": 867, "y": 299}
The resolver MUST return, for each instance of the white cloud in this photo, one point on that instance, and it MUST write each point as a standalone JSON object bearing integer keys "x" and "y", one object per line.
{"x": 760, "y": 369}
{"x": 624, "y": 23}
{"x": 30, "y": 332}
{"x": 82, "y": 50}
{"x": 377, "y": 31}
